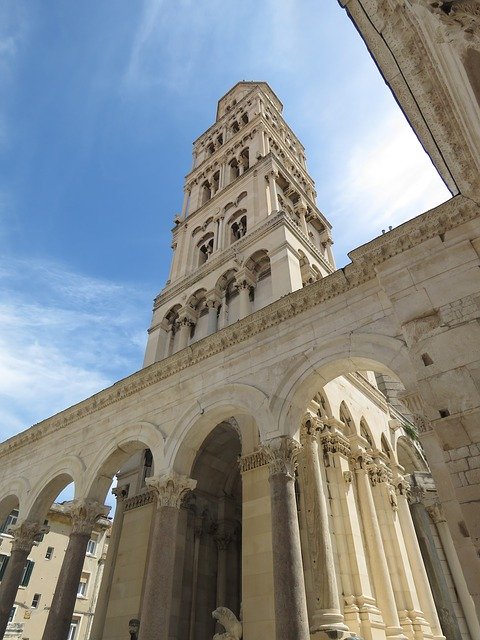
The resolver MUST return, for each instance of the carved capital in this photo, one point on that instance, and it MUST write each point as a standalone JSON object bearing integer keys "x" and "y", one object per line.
{"x": 223, "y": 541}
{"x": 24, "y": 535}
{"x": 281, "y": 454}
{"x": 120, "y": 493}
{"x": 171, "y": 489}
{"x": 311, "y": 425}
{"x": 84, "y": 514}
{"x": 416, "y": 495}
{"x": 435, "y": 512}
{"x": 459, "y": 22}
{"x": 335, "y": 443}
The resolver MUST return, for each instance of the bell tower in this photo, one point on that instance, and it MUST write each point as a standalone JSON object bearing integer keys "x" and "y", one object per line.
{"x": 249, "y": 232}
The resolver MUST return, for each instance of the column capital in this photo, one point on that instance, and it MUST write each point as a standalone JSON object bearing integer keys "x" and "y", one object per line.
{"x": 311, "y": 425}
{"x": 244, "y": 279}
{"x": 335, "y": 443}
{"x": 416, "y": 495}
{"x": 24, "y": 534}
{"x": 213, "y": 298}
{"x": 84, "y": 514}
{"x": 281, "y": 454}
{"x": 171, "y": 489}
{"x": 120, "y": 492}
{"x": 436, "y": 513}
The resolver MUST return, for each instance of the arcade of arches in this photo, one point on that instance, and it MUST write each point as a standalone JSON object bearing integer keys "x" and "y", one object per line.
{"x": 301, "y": 451}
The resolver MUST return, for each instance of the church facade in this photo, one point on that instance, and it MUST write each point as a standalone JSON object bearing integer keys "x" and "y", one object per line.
{"x": 267, "y": 458}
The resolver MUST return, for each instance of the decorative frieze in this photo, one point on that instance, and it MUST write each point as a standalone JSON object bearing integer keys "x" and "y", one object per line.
{"x": 253, "y": 460}
{"x": 139, "y": 500}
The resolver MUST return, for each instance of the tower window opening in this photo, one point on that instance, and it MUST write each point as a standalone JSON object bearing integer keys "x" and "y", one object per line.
{"x": 245, "y": 159}
{"x": 234, "y": 170}
{"x": 220, "y": 139}
{"x": 211, "y": 149}
{"x": 206, "y": 192}
{"x": 235, "y": 127}
{"x": 245, "y": 118}
{"x": 205, "y": 250}
{"x": 239, "y": 228}
{"x": 215, "y": 182}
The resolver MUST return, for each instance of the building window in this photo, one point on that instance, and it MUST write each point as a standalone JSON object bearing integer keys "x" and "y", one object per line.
{"x": 49, "y": 553}
{"x": 3, "y": 564}
{"x": 12, "y": 614}
{"x": 11, "y": 520}
{"x": 72, "y": 632}
{"x": 91, "y": 547}
{"x": 27, "y": 572}
{"x": 82, "y": 586}
{"x": 36, "y": 600}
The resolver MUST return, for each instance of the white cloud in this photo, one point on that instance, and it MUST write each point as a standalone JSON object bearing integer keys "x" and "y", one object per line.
{"x": 64, "y": 336}
{"x": 387, "y": 180}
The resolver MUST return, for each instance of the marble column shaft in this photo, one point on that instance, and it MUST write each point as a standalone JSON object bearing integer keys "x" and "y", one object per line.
{"x": 84, "y": 514}
{"x": 96, "y": 632}
{"x": 381, "y": 578}
{"x": 420, "y": 577}
{"x": 158, "y": 591}
{"x": 23, "y": 538}
{"x": 327, "y": 613}
{"x": 291, "y": 618}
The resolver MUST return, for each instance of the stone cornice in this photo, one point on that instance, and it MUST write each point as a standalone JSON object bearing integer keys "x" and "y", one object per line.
{"x": 437, "y": 221}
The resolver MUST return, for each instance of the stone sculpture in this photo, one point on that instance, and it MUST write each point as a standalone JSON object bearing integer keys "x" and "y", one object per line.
{"x": 228, "y": 620}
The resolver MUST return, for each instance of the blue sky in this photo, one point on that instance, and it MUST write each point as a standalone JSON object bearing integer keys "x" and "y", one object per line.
{"x": 100, "y": 102}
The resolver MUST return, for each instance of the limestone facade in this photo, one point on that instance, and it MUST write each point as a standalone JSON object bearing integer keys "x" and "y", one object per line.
{"x": 261, "y": 466}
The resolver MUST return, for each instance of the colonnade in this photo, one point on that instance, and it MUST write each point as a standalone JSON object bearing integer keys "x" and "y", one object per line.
{"x": 394, "y": 593}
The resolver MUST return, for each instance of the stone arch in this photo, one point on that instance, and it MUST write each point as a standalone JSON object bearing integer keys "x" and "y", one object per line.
{"x": 13, "y": 497}
{"x": 247, "y": 405}
{"x": 133, "y": 438}
{"x": 65, "y": 471}
{"x": 409, "y": 456}
{"x": 345, "y": 354}
{"x": 366, "y": 432}
{"x": 345, "y": 416}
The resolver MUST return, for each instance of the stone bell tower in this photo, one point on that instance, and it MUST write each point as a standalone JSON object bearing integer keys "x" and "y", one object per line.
{"x": 249, "y": 232}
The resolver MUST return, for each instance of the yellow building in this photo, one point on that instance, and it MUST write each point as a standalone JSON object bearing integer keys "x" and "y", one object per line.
{"x": 34, "y": 596}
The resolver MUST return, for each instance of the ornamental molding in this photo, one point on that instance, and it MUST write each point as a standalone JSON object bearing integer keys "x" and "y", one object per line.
{"x": 142, "y": 499}
{"x": 459, "y": 22}
{"x": 253, "y": 460}
{"x": 24, "y": 535}
{"x": 84, "y": 515}
{"x": 281, "y": 454}
{"x": 365, "y": 259}
{"x": 171, "y": 489}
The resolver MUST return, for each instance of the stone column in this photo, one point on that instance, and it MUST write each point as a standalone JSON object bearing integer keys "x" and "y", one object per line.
{"x": 291, "y": 618}
{"x": 186, "y": 197}
{"x": 433, "y": 565}
{"x": 24, "y": 535}
{"x": 272, "y": 188}
{"x": 420, "y": 577}
{"x": 245, "y": 281}
{"x": 184, "y": 328}
{"x": 302, "y": 212}
{"x": 101, "y": 607}
{"x": 157, "y": 595}
{"x": 466, "y": 600}
{"x": 212, "y": 302}
{"x": 325, "y": 615}
{"x": 84, "y": 514}
{"x": 198, "y": 532}
{"x": 373, "y": 538}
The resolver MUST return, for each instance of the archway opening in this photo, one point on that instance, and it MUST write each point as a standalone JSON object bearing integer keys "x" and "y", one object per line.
{"x": 211, "y": 535}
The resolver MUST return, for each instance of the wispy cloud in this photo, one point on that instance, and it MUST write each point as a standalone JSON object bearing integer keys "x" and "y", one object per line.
{"x": 386, "y": 180}
{"x": 64, "y": 336}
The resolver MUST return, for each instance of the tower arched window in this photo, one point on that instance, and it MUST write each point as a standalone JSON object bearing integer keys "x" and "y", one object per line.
{"x": 205, "y": 248}
{"x": 234, "y": 170}
{"x": 206, "y": 192}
